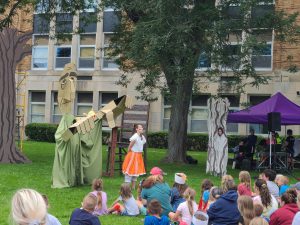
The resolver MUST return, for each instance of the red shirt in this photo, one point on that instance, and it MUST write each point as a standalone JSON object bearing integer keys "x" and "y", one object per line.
{"x": 244, "y": 190}
{"x": 284, "y": 215}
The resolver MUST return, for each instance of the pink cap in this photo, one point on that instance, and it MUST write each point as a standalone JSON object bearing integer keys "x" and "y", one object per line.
{"x": 157, "y": 171}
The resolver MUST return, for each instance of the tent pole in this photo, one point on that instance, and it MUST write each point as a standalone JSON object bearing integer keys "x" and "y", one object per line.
{"x": 270, "y": 163}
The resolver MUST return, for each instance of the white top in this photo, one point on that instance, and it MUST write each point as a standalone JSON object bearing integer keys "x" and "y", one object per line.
{"x": 139, "y": 142}
{"x": 270, "y": 209}
{"x": 52, "y": 220}
{"x": 185, "y": 213}
{"x": 296, "y": 220}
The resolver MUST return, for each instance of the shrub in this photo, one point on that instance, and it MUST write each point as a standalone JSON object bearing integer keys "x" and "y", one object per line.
{"x": 195, "y": 141}
{"x": 41, "y": 131}
{"x": 45, "y": 132}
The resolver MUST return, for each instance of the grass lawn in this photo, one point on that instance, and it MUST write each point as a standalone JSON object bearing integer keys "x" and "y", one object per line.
{"x": 37, "y": 175}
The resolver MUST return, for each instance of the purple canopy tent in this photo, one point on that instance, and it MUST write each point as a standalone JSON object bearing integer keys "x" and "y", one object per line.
{"x": 258, "y": 114}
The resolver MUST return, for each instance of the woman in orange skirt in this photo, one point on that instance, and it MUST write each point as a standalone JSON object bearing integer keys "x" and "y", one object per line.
{"x": 133, "y": 165}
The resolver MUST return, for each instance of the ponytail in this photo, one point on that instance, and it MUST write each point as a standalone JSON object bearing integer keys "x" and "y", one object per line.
{"x": 99, "y": 199}
{"x": 189, "y": 196}
{"x": 263, "y": 192}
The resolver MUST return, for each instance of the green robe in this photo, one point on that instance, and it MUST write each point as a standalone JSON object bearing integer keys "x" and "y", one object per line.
{"x": 79, "y": 160}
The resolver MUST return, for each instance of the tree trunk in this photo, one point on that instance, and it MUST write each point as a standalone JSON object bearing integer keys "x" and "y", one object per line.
{"x": 12, "y": 49}
{"x": 177, "y": 136}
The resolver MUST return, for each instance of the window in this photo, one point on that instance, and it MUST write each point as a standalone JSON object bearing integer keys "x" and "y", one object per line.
{"x": 40, "y": 52}
{"x": 234, "y": 106}
{"x": 41, "y": 25}
{"x": 62, "y": 56}
{"x": 37, "y": 106}
{"x": 84, "y": 103}
{"x": 56, "y": 114}
{"x": 109, "y": 62}
{"x": 64, "y": 23}
{"x": 197, "y": 119}
{"x": 166, "y": 114}
{"x": 88, "y": 22}
{"x": 199, "y": 113}
{"x": 254, "y": 100}
{"x": 106, "y": 97}
{"x": 204, "y": 61}
{"x": 87, "y": 51}
{"x": 110, "y": 21}
{"x": 262, "y": 57}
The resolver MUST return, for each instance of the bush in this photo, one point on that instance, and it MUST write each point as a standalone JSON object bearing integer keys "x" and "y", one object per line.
{"x": 195, "y": 142}
{"x": 41, "y": 131}
{"x": 45, "y": 132}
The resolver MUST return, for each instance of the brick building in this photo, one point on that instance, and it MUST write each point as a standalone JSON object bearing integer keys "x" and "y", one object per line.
{"x": 98, "y": 73}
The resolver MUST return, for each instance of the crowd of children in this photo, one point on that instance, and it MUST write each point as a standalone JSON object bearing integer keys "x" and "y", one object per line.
{"x": 228, "y": 204}
{"x": 271, "y": 201}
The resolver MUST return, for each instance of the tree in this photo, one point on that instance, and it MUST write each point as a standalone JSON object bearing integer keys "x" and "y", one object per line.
{"x": 163, "y": 40}
{"x": 13, "y": 48}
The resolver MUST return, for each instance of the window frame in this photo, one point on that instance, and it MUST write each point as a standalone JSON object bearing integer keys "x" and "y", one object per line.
{"x": 100, "y": 103}
{"x": 104, "y": 46}
{"x": 30, "y": 115}
{"x": 84, "y": 103}
{"x": 34, "y": 47}
{"x": 53, "y": 104}
{"x": 55, "y": 57}
{"x": 87, "y": 46}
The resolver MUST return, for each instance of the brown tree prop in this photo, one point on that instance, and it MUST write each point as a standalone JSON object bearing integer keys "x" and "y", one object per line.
{"x": 13, "y": 48}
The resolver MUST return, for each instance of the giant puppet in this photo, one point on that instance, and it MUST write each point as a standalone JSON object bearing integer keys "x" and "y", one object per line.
{"x": 78, "y": 151}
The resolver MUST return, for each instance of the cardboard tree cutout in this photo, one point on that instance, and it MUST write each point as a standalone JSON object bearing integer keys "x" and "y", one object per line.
{"x": 217, "y": 154}
{"x": 78, "y": 152}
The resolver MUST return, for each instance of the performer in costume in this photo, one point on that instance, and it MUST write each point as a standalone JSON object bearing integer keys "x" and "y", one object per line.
{"x": 133, "y": 165}
{"x": 222, "y": 148}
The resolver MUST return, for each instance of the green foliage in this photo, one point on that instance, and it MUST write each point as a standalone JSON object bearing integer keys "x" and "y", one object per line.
{"x": 195, "y": 141}
{"x": 45, "y": 132}
{"x": 164, "y": 40}
{"x": 41, "y": 131}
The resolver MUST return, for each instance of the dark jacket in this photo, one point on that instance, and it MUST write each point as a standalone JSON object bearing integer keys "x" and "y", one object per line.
{"x": 284, "y": 215}
{"x": 225, "y": 211}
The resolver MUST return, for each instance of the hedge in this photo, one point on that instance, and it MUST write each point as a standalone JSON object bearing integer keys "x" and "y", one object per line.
{"x": 196, "y": 142}
{"x": 41, "y": 131}
{"x": 45, "y": 132}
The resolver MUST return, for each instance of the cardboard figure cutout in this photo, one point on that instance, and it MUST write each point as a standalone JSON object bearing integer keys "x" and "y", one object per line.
{"x": 67, "y": 88}
{"x": 78, "y": 151}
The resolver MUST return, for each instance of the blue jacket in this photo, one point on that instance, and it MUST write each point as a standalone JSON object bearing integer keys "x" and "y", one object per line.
{"x": 225, "y": 211}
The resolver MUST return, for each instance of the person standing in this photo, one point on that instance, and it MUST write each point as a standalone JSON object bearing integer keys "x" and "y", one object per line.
{"x": 221, "y": 148}
{"x": 133, "y": 165}
{"x": 289, "y": 146}
{"x": 251, "y": 142}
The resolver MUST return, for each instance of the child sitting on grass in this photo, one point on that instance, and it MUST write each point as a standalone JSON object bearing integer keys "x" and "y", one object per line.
{"x": 85, "y": 215}
{"x": 186, "y": 210}
{"x": 283, "y": 184}
{"x": 130, "y": 207}
{"x": 101, "y": 207}
{"x": 214, "y": 195}
{"x": 178, "y": 189}
{"x": 205, "y": 187}
{"x": 154, "y": 211}
{"x": 244, "y": 188}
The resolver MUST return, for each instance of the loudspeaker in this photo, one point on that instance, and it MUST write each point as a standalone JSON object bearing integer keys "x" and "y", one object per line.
{"x": 274, "y": 121}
